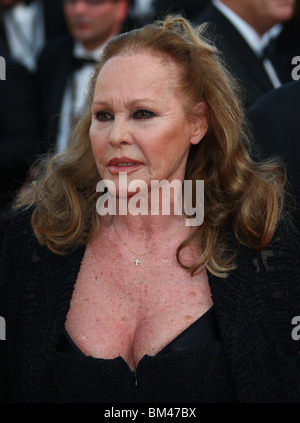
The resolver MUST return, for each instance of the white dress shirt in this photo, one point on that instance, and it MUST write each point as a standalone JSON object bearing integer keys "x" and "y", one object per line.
{"x": 142, "y": 9}
{"x": 75, "y": 94}
{"x": 256, "y": 42}
{"x": 25, "y": 33}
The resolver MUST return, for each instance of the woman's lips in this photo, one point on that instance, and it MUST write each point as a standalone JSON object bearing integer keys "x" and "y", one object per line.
{"x": 123, "y": 164}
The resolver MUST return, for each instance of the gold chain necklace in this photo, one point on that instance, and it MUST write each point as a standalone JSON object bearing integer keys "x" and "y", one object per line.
{"x": 138, "y": 255}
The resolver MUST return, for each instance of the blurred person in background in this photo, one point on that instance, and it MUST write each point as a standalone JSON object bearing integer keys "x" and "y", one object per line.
{"x": 145, "y": 11}
{"x": 276, "y": 128}
{"x": 288, "y": 44}
{"x": 142, "y": 12}
{"x": 27, "y": 25}
{"x": 66, "y": 65}
{"x": 244, "y": 31}
{"x": 18, "y": 133}
{"x": 189, "y": 8}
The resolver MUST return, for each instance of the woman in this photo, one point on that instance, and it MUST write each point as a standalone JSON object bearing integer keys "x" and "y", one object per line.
{"x": 128, "y": 307}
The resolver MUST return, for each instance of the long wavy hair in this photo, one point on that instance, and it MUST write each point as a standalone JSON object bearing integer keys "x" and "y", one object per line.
{"x": 241, "y": 194}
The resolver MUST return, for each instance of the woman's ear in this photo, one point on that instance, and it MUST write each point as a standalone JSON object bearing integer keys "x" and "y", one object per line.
{"x": 200, "y": 122}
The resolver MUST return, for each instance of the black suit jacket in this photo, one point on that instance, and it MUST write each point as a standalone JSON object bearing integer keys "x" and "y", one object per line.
{"x": 242, "y": 61}
{"x": 54, "y": 67}
{"x": 275, "y": 120}
{"x": 189, "y": 8}
{"x": 18, "y": 127}
{"x": 19, "y": 133}
{"x": 54, "y": 21}
{"x": 287, "y": 46}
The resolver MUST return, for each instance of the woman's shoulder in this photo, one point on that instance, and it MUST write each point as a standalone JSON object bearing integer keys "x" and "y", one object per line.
{"x": 282, "y": 254}
{"x": 284, "y": 244}
{"x": 269, "y": 277}
{"x": 264, "y": 271}
{"x": 20, "y": 224}
{"x": 272, "y": 275}
{"x": 19, "y": 236}
{"x": 286, "y": 234}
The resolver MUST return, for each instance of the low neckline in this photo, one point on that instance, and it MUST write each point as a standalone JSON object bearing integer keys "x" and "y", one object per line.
{"x": 209, "y": 314}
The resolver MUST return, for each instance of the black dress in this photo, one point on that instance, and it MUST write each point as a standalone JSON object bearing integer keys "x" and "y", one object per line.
{"x": 191, "y": 368}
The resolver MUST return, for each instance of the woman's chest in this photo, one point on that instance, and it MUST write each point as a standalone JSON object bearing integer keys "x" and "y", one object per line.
{"x": 118, "y": 309}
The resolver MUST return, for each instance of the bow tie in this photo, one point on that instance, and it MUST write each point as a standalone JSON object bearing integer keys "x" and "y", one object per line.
{"x": 79, "y": 62}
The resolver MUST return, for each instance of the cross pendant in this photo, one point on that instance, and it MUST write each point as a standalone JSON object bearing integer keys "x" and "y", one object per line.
{"x": 137, "y": 261}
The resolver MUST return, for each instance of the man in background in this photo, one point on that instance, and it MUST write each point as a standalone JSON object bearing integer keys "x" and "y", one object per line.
{"x": 274, "y": 118}
{"x": 18, "y": 134}
{"x": 67, "y": 64}
{"x": 188, "y": 8}
{"x": 245, "y": 31}
{"x": 27, "y": 25}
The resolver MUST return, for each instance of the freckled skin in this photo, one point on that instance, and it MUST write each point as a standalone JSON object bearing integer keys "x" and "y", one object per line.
{"x": 111, "y": 316}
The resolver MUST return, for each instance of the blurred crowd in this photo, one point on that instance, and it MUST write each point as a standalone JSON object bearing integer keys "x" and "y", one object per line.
{"x": 51, "y": 48}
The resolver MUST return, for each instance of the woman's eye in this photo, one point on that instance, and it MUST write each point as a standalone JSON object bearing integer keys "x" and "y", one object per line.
{"x": 103, "y": 116}
{"x": 143, "y": 114}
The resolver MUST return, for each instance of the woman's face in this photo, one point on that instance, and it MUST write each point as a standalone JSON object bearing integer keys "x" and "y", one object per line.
{"x": 139, "y": 125}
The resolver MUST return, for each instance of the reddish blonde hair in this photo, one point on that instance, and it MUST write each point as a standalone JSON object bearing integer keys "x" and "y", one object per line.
{"x": 239, "y": 193}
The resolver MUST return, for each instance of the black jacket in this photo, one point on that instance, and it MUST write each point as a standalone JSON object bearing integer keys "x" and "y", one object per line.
{"x": 55, "y": 65}
{"x": 188, "y": 8}
{"x": 276, "y": 127}
{"x": 54, "y": 22}
{"x": 244, "y": 64}
{"x": 18, "y": 127}
{"x": 254, "y": 306}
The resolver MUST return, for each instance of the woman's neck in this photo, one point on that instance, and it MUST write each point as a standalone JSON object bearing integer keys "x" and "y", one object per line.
{"x": 146, "y": 226}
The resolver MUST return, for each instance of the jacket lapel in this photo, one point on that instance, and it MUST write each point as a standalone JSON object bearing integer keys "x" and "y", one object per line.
{"x": 240, "y": 58}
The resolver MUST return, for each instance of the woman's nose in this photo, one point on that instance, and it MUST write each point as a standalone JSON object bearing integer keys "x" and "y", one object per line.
{"x": 120, "y": 133}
